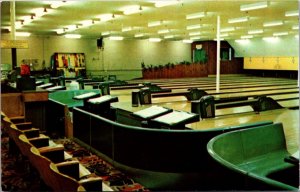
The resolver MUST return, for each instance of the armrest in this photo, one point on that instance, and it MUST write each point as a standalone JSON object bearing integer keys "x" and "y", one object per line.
{"x": 91, "y": 184}
{"x": 17, "y": 119}
{"x": 70, "y": 168}
{"x": 39, "y": 142}
{"x": 55, "y": 154}
{"x": 30, "y": 133}
{"x": 23, "y": 126}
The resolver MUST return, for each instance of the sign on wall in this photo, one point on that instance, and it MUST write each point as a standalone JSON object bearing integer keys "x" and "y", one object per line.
{"x": 19, "y": 44}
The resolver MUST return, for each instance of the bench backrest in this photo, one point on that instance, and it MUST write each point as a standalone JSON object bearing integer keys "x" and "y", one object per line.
{"x": 239, "y": 146}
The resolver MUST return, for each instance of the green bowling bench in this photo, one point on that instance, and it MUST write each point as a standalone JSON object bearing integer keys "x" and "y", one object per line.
{"x": 256, "y": 157}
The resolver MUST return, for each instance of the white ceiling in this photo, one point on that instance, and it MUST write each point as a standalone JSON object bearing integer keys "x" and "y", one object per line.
{"x": 172, "y": 16}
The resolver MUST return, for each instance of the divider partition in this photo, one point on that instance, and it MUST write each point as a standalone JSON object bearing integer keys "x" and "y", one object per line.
{"x": 156, "y": 158}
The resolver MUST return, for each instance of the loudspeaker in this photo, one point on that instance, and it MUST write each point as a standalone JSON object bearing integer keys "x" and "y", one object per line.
{"x": 100, "y": 43}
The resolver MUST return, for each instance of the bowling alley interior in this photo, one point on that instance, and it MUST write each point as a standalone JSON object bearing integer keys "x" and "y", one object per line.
{"x": 152, "y": 95}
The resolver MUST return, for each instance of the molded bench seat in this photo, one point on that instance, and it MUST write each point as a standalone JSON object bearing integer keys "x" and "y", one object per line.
{"x": 257, "y": 154}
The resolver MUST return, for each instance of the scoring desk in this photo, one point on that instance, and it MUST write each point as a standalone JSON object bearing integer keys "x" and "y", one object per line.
{"x": 225, "y": 117}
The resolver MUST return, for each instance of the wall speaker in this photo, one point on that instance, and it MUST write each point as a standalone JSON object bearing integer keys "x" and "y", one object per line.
{"x": 100, "y": 42}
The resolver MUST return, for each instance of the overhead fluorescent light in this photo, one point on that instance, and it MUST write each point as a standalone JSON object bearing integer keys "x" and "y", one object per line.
{"x": 60, "y": 31}
{"x": 280, "y": 33}
{"x": 292, "y": 13}
{"x": 132, "y": 9}
{"x": 18, "y": 24}
{"x": 71, "y": 27}
{"x": 257, "y": 31}
{"x": 187, "y": 41}
{"x": 191, "y": 27}
{"x": 106, "y": 17}
{"x": 27, "y": 19}
{"x": 270, "y": 39}
{"x": 139, "y": 35}
{"x": 124, "y": 29}
{"x": 221, "y": 39}
{"x": 194, "y": 33}
{"x": 238, "y": 20}
{"x": 169, "y": 36}
{"x": 242, "y": 41}
{"x": 22, "y": 34}
{"x": 72, "y": 36}
{"x": 154, "y": 23}
{"x": 116, "y": 38}
{"x": 39, "y": 12}
{"x": 253, "y": 6}
{"x": 224, "y": 35}
{"x": 195, "y": 15}
{"x": 246, "y": 36}
{"x": 105, "y": 33}
{"x": 272, "y": 23}
{"x": 296, "y": 27}
{"x": 154, "y": 39}
{"x": 195, "y": 38}
{"x": 87, "y": 23}
{"x": 165, "y": 3}
{"x": 56, "y": 4}
{"x": 228, "y": 29}
{"x": 163, "y": 31}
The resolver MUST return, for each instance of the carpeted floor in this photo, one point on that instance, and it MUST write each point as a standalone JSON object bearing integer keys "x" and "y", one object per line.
{"x": 18, "y": 176}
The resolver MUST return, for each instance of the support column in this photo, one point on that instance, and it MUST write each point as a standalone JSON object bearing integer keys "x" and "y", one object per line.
{"x": 218, "y": 56}
{"x": 13, "y": 33}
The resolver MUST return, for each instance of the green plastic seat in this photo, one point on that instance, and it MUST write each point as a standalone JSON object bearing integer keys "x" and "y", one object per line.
{"x": 257, "y": 154}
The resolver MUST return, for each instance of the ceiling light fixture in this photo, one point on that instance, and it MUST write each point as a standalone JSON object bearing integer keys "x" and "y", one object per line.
{"x": 132, "y": 9}
{"x": 292, "y": 13}
{"x": 228, "y": 29}
{"x": 169, "y": 36}
{"x": 187, "y": 41}
{"x": 270, "y": 39}
{"x": 257, "y": 31}
{"x": 253, "y": 6}
{"x": 139, "y": 35}
{"x": 124, "y": 29}
{"x": 154, "y": 23}
{"x": 280, "y": 33}
{"x": 87, "y": 23}
{"x": 164, "y": 3}
{"x": 194, "y": 33}
{"x": 60, "y": 31}
{"x": 195, "y": 38}
{"x": 224, "y": 35}
{"x": 23, "y": 34}
{"x": 195, "y": 15}
{"x": 73, "y": 36}
{"x": 39, "y": 12}
{"x": 242, "y": 41}
{"x": 246, "y": 36}
{"x": 163, "y": 31}
{"x": 272, "y": 23}
{"x": 238, "y": 20}
{"x": 106, "y": 17}
{"x": 154, "y": 39}
{"x": 191, "y": 27}
{"x": 116, "y": 38}
{"x": 105, "y": 33}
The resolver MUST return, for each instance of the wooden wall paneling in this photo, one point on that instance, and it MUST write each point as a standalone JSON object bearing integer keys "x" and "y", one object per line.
{"x": 12, "y": 104}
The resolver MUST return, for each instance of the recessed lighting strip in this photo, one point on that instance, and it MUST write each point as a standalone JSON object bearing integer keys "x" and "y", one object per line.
{"x": 253, "y": 6}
